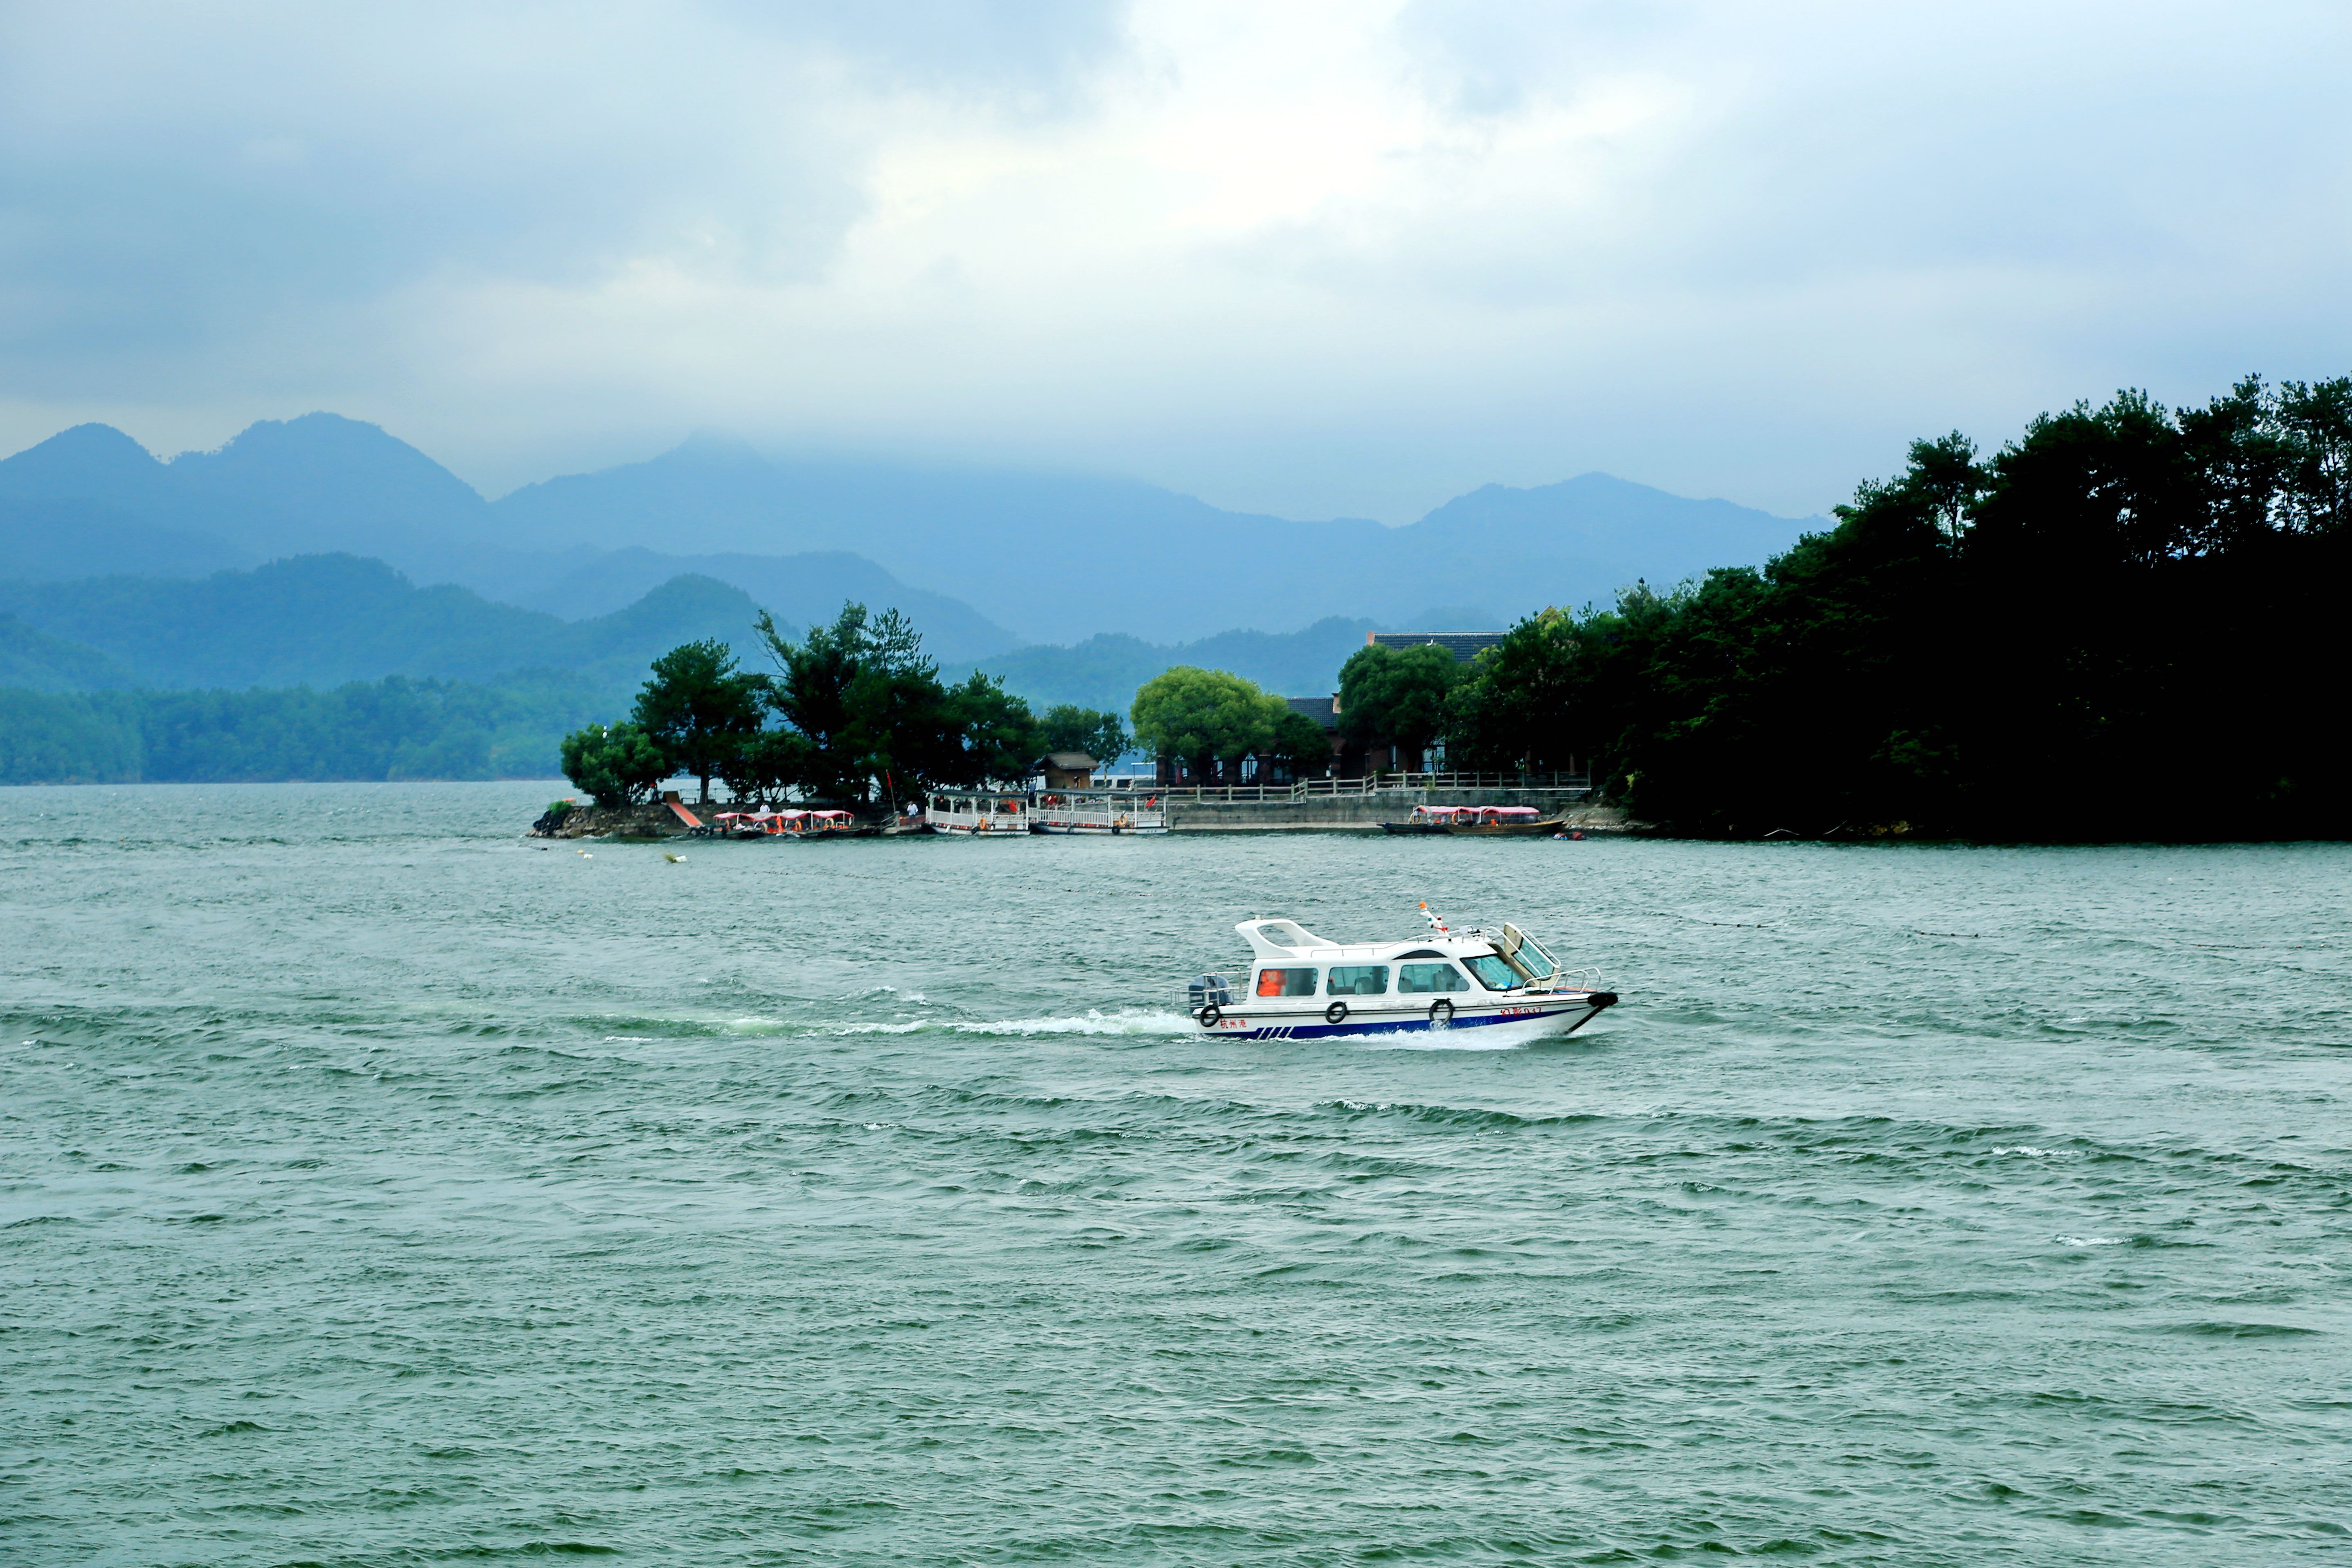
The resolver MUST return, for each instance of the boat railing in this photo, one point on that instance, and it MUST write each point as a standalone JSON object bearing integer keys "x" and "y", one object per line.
{"x": 1373, "y": 785}
{"x": 1100, "y": 811}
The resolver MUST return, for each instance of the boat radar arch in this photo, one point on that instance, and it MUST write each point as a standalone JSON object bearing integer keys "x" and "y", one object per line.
{"x": 1278, "y": 937}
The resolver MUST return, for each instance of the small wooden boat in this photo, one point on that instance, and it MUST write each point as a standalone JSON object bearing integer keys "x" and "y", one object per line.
{"x": 827, "y": 823}
{"x": 1478, "y": 821}
{"x": 750, "y": 824}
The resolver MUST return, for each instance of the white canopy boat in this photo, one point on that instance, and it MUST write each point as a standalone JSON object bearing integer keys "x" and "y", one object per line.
{"x": 978, "y": 816}
{"x": 1302, "y": 987}
{"x": 1097, "y": 812}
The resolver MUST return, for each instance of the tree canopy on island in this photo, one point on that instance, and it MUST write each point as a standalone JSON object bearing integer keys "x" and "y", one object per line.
{"x": 2122, "y": 624}
{"x": 859, "y": 713}
{"x": 698, "y": 710}
{"x": 872, "y": 714}
{"x": 617, "y": 765}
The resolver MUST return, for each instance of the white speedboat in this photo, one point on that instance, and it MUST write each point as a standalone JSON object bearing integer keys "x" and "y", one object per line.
{"x": 1302, "y": 987}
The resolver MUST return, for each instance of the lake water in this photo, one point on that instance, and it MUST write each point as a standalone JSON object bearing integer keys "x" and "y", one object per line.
{"x": 382, "y": 1187}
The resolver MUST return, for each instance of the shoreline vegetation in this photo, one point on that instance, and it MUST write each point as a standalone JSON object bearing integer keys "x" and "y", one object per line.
{"x": 2116, "y": 627}
{"x": 2120, "y": 625}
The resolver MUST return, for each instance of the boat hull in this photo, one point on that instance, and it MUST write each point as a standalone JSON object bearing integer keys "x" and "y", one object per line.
{"x": 1532, "y": 1016}
{"x": 1542, "y": 829}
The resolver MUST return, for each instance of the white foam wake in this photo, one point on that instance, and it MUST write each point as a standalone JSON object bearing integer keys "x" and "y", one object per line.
{"x": 1128, "y": 1022}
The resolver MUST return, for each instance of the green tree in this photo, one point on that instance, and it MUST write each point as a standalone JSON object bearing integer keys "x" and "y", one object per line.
{"x": 765, "y": 764}
{"x": 698, "y": 708}
{"x": 619, "y": 764}
{"x": 1100, "y": 734}
{"x": 870, "y": 705}
{"x": 2315, "y": 423}
{"x": 1397, "y": 696}
{"x": 1204, "y": 717}
{"x": 1944, "y": 481}
{"x": 997, "y": 738}
{"x": 1300, "y": 745}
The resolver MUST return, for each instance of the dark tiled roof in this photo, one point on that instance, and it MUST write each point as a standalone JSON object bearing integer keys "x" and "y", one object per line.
{"x": 1070, "y": 762}
{"x": 1323, "y": 710}
{"x": 1463, "y": 645}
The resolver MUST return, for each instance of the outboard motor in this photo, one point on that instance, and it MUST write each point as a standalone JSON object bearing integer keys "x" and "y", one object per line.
{"x": 1208, "y": 990}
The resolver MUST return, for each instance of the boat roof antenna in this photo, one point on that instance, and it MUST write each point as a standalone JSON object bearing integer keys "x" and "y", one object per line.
{"x": 1437, "y": 924}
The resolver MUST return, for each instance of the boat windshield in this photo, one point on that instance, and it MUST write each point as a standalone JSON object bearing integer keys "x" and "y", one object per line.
{"x": 1492, "y": 972}
{"x": 1527, "y": 956}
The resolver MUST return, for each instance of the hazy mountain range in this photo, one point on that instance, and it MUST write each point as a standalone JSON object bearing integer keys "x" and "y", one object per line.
{"x": 1073, "y": 587}
{"x": 323, "y": 620}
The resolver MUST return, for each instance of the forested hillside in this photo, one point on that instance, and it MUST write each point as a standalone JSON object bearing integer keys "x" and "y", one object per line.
{"x": 391, "y": 729}
{"x": 323, "y": 666}
{"x": 323, "y": 620}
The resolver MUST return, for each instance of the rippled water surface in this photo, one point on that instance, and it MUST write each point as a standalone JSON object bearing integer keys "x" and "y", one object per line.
{"x": 381, "y": 1187}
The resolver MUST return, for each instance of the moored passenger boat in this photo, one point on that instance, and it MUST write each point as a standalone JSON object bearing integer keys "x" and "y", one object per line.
{"x": 1098, "y": 813}
{"x": 1300, "y": 986}
{"x": 827, "y": 823}
{"x": 978, "y": 816}
{"x": 1476, "y": 821}
{"x": 796, "y": 822}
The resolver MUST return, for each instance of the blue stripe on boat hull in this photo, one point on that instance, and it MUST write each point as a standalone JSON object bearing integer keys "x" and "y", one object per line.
{"x": 1320, "y": 1031}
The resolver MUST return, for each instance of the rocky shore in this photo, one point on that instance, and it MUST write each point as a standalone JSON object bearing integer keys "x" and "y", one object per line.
{"x": 654, "y": 819}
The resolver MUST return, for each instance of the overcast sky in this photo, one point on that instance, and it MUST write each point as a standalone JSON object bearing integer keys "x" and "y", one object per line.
{"x": 1316, "y": 260}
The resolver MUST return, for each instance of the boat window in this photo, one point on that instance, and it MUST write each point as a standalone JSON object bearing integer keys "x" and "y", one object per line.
{"x": 1492, "y": 972}
{"x": 1422, "y": 978}
{"x": 1357, "y": 980}
{"x": 1422, "y": 953}
{"x": 1286, "y": 983}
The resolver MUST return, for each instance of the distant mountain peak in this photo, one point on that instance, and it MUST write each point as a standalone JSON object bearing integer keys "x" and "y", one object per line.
{"x": 89, "y": 460}
{"x": 320, "y": 446}
{"x": 723, "y": 445}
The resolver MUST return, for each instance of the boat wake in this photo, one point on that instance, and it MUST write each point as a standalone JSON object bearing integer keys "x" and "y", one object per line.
{"x": 1124, "y": 1022}
{"x": 1485, "y": 1037}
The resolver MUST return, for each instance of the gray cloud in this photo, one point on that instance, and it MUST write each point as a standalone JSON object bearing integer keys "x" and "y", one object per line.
{"x": 173, "y": 178}
{"x": 1300, "y": 258}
